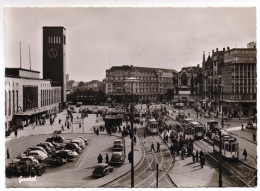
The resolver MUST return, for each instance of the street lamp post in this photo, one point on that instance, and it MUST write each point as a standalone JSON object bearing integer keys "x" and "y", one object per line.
{"x": 132, "y": 80}
{"x": 220, "y": 147}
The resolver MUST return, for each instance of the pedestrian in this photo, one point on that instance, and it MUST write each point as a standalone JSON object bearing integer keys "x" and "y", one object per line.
{"x": 152, "y": 147}
{"x": 135, "y": 130}
{"x": 254, "y": 137}
{"x": 202, "y": 161}
{"x": 197, "y": 156}
{"x": 100, "y": 158}
{"x": 193, "y": 156}
{"x": 245, "y": 153}
{"x": 201, "y": 154}
{"x": 182, "y": 154}
{"x": 59, "y": 121}
{"x": 62, "y": 128}
{"x": 97, "y": 132}
{"x": 7, "y": 153}
{"x": 242, "y": 127}
{"x": 15, "y": 133}
{"x": 135, "y": 139}
{"x": 107, "y": 158}
{"x": 158, "y": 147}
{"x": 79, "y": 125}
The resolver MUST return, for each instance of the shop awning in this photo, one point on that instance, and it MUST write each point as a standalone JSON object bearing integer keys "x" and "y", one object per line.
{"x": 31, "y": 112}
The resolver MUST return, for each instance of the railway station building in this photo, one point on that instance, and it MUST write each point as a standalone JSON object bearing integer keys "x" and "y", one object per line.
{"x": 29, "y": 97}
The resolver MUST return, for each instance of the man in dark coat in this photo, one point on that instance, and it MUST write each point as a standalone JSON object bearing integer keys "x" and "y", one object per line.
{"x": 100, "y": 158}
{"x": 107, "y": 158}
{"x": 197, "y": 156}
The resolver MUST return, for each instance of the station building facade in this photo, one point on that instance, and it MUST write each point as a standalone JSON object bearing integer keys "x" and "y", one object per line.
{"x": 150, "y": 85}
{"x": 28, "y": 96}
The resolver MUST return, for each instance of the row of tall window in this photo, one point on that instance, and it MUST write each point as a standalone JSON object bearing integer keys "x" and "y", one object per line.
{"x": 49, "y": 97}
{"x": 56, "y": 39}
{"x": 11, "y": 102}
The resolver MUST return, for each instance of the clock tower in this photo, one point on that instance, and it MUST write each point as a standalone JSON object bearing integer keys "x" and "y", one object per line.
{"x": 54, "y": 57}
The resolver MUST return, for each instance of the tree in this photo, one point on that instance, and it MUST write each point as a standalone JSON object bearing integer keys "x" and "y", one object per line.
{"x": 169, "y": 94}
{"x": 81, "y": 85}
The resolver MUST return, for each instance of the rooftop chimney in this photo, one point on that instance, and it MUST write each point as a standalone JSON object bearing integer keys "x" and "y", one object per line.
{"x": 216, "y": 49}
{"x": 224, "y": 49}
{"x": 212, "y": 52}
{"x": 228, "y": 48}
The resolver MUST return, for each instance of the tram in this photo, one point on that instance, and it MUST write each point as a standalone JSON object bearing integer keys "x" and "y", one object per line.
{"x": 198, "y": 128}
{"x": 180, "y": 117}
{"x": 230, "y": 147}
{"x": 152, "y": 125}
{"x": 189, "y": 132}
{"x": 212, "y": 128}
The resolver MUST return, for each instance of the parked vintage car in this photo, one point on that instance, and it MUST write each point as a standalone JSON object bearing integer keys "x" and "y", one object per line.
{"x": 56, "y": 138}
{"x": 41, "y": 156}
{"x": 85, "y": 140}
{"x": 102, "y": 169}
{"x": 117, "y": 158}
{"x": 30, "y": 158}
{"x": 36, "y": 148}
{"x": 250, "y": 125}
{"x": 79, "y": 141}
{"x": 47, "y": 146}
{"x": 24, "y": 168}
{"x": 73, "y": 147}
{"x": 67, "y": 154}
{"x": 118, "y": 145}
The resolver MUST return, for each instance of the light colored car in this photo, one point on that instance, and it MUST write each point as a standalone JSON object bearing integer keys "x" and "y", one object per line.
{"x": 38, "y": 155}
{"x": 68, "y": 140}
{"x": 67, "y": 154}
{"x": 117, "y": 158}
{"x": 118, "y": 145}
{"x": 39, "y": 148}
{"x": 85, "y": 140}
{"x": 79, "y": 141}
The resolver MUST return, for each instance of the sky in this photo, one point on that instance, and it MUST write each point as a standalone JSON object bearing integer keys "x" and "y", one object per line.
{"x": 99, "y": 38}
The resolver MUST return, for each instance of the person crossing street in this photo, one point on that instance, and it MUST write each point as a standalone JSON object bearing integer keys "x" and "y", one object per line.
{"x": 152, "y": 147}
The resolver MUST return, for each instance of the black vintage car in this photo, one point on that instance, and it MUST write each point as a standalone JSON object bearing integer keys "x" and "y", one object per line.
{"x": 102, "y": 169}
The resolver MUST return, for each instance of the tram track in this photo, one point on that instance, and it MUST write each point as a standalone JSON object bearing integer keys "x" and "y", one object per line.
{"x": 239, "y": 174}
{"x": 145, "y": 171}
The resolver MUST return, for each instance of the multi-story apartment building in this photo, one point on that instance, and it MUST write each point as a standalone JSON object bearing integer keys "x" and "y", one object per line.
{"x": 239, "y": 81}
{"x": 188, "y": 85}
{"x": 234, "y": 70}
{"x": 151, "y": 84}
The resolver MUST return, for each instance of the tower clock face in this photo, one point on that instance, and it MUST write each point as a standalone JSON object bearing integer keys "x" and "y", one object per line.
{"x": 53, "y": 52}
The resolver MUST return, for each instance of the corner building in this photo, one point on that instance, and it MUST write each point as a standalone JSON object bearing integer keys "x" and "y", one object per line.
{"x": 151, "y": 85}
{"x": 234, "y": 70}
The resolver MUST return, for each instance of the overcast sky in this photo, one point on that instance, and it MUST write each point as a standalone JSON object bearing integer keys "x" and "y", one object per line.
{"x": 151, "y": 37}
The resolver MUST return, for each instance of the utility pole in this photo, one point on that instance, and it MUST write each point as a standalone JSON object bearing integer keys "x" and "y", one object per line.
{"x": 157, "y": 175}
{"x": 132, "y": 137}
{"x": 220, "y": 147}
